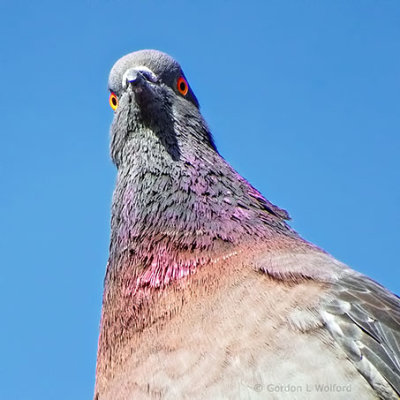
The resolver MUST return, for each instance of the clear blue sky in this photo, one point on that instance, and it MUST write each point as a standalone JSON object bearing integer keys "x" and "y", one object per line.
{"x": 303, "y": 98}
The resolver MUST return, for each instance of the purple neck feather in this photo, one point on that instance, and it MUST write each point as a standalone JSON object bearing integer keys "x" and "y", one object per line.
{"x": 178, "y": 205}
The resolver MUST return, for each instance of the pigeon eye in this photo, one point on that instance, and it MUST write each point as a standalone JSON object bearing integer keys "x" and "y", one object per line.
{"x": 113, "y": 101}
{"x": 182, "y": 85}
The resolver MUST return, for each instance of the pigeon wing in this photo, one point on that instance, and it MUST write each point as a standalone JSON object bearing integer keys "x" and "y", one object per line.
{"x": 364, "y": 318}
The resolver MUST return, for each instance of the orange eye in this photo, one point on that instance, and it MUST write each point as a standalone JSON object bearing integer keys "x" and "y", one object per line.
{"x": 182, "y": 85}
{"x": 113, "y": 101}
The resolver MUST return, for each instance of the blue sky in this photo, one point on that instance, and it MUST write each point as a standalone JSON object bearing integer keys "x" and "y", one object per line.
{"x": 303, "y": 98}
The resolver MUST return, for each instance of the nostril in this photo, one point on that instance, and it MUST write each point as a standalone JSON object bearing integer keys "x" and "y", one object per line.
{"x": 133, "y": 76}
{"x": 138, "y": 74}
{"x": 130, "y": 77}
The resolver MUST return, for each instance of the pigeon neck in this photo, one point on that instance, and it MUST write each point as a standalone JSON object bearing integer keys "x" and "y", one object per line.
{"x": 176, "y": 198}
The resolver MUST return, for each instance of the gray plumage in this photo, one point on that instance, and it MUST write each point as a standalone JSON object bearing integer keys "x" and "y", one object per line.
{"x": 209, "y": 294}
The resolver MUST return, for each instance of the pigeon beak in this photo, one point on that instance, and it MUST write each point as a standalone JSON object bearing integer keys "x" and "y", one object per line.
{"x": 137, "y": 75}
{"x": 133, "y": 76}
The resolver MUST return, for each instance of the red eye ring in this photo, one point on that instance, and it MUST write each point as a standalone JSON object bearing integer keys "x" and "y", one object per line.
{"x": 182, "y": 86}
{"x": 113, "y": 101}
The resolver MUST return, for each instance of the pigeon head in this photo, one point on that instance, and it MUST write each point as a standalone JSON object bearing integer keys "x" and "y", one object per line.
{"x": 150, "y": 71}
{"x": 149, "y": 91}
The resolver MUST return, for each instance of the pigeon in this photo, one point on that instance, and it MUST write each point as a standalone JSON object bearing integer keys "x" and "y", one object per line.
{"x": 208, "y": 292}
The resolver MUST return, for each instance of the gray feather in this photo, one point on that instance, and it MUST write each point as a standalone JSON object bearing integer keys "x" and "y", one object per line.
{"x": 358, "y": 302}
